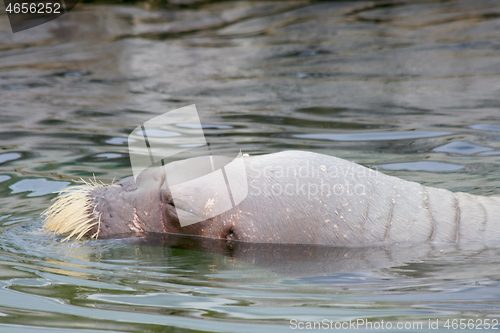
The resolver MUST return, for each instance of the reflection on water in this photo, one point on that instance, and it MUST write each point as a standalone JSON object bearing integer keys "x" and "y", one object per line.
{"x": 409, "y": 86}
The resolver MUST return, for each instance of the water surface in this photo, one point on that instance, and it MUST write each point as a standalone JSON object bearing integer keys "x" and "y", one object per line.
{"x": 408, "y": 87}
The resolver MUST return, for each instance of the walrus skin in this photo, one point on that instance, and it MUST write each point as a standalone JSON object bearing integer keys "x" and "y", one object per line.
{"x": 299, "y": 197}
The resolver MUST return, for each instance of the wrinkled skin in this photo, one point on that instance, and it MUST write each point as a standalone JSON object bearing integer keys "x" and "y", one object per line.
{"x": 302, "y": 198}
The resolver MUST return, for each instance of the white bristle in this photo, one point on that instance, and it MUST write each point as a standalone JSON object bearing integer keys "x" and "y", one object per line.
{"x": 72, "y": 212}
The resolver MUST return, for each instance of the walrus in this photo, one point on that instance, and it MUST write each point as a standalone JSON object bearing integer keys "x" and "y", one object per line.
{"x": 294, "y": 197}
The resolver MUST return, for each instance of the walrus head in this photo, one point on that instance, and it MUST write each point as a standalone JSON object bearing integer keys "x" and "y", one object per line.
{"x": 137, "y": 206}
{"x": 121, "y": 209}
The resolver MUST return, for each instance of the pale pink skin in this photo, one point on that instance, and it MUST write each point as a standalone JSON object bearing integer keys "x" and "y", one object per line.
{"x": 362, "y": 207}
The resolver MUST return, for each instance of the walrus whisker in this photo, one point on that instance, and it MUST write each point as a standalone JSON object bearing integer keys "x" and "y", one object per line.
{"x": 96, "y": 235}
{"x": 72, "y": 212}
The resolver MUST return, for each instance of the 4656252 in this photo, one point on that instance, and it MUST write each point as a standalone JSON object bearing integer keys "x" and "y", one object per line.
{"x": 478, "y": 324}
{"x": 34, "y": 8}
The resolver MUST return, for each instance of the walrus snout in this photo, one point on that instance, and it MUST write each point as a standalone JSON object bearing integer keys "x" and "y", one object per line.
{"x": 127, "y": 208}
{"x": 133, "y": 206}
{"x": 113, "y": 211}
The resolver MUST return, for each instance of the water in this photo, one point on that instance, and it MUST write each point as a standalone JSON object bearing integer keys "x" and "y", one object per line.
{"x": 408, "y": 87}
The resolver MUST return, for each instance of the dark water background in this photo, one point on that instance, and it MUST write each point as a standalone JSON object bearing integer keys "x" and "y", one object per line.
{"x": 411, "y": 87}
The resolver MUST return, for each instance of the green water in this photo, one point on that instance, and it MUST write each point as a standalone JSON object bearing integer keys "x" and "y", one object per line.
{"x": 409, "y": 87}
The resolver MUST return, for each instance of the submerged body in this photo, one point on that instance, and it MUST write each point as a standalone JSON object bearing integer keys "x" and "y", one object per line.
{"x": 293, "y": 197}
